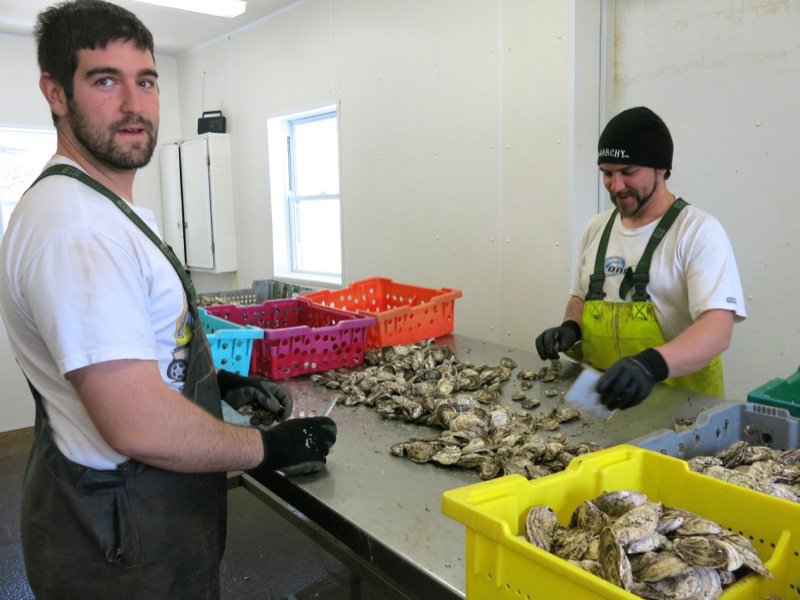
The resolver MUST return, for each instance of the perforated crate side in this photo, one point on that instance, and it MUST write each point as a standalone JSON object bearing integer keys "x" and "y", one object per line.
{"x": 779, "y": 392}
{"x": 404, "y": 313}
{"x": 300, "y": 337}
{"x": 231, "y": 344}
{"x": 717, "y": 428}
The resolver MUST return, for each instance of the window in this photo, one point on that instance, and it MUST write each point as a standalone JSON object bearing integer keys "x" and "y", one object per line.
{"x": 304, "y": 175}
{"x": 23, "y": 153}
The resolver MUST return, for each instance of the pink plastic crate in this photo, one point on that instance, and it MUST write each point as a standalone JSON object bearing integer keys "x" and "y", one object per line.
{"x": 299, "y": 337}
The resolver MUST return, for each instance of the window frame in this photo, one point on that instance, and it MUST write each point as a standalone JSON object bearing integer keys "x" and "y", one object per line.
{"x": 285, "y": 202}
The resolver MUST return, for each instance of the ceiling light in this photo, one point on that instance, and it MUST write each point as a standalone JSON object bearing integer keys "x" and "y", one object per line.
{"x": 217, "y": 8}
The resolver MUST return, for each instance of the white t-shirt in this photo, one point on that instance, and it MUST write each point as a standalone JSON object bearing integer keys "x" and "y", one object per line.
{"x": 81, "y": 284}
{"x": 692, "y": 270}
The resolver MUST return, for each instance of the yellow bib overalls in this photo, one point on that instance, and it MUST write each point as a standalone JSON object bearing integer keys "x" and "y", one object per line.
{"x": 612, "y": 330}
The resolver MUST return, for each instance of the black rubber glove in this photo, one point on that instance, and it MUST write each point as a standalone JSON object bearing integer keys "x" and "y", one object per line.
{"x": 558, "y": 339}
{"x": 273, "y": 400}
{"x": 298, "y": 445}
{"x": 631, "y": 379}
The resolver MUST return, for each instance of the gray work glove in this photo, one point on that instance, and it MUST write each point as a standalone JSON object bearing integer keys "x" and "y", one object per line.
{"x": 631, "y": 379}
{"x": 298, "y": 445}
{"x": 558, "y": 339}
{"x": 271, "y": 401}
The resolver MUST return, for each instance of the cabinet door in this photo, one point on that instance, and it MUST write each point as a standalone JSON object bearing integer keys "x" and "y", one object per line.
{"x": 197, "y": 204}
{"x": 171, "y": 201}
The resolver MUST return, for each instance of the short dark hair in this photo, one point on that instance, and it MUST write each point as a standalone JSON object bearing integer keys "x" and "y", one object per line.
{"x": 67, "y": 27}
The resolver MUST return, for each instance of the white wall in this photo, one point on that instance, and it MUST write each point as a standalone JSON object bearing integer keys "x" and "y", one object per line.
{"x": 456, "y": 132}
{"x": 724, "y": 76}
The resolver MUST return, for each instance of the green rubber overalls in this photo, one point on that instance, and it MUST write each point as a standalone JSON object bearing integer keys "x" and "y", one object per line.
{"x": 612, "y": 330}
{"x": 134, "y": 532}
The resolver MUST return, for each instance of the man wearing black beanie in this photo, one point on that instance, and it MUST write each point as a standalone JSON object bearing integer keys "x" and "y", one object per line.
{"x": 657, "y": 290}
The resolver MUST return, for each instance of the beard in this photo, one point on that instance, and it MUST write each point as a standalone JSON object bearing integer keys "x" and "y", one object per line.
{"x": 642, "y": 199}
{"x": 99, "y": 139}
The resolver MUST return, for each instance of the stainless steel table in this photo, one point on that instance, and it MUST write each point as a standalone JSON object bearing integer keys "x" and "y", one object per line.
{"x": 381, "y": 514}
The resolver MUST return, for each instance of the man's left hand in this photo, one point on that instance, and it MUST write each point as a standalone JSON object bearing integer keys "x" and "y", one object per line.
{"x": 631, "y": 379}
{"x": 239, "y": 391}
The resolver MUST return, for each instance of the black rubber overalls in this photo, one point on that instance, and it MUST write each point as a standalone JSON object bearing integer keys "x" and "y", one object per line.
{"x": 128, "y": 533}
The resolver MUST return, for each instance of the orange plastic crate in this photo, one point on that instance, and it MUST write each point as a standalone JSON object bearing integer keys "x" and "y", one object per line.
{"x": 404, "y": 313}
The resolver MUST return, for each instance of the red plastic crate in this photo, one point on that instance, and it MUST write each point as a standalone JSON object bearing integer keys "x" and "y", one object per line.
{"x": 404, "y": 313}
{"x": 299, "y": 337}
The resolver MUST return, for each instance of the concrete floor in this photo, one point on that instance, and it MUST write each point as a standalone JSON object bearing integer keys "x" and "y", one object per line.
{"x": 265, "y": 558}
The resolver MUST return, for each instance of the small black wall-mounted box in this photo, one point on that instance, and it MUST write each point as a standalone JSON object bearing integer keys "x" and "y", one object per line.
{"x": 211, "y": 121}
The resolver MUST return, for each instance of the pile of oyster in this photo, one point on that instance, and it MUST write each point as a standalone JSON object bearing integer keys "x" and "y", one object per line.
{"x": 425, "y": 383}
{"x": 651, "y": 550}
{"x": 760, "y": 468}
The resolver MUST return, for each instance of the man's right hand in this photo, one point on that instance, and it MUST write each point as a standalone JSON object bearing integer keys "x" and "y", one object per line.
{"x": 558, "y": 339}
{"x": 298, "y": 445}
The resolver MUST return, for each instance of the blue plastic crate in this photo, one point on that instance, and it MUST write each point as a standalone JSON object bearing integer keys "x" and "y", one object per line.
{"x": 231, "y": 344}
{"x": 719, "y": 427}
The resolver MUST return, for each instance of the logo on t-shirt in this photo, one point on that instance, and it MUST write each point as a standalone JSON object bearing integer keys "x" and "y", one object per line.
{"x": 614, "y": 266}
{"x": 176, "y": 370}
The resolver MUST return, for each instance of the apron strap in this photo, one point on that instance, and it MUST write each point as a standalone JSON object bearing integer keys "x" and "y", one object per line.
{"x": 639, "y": 278}
{"x": 598, "y": 277}
{"x": 70, "y": 171}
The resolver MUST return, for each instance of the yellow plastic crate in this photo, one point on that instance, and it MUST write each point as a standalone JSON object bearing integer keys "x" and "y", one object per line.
{"x": 501, "y": 565}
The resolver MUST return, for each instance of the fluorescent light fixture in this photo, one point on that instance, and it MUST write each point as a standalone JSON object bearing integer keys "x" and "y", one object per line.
{"x": 217, "y": 8}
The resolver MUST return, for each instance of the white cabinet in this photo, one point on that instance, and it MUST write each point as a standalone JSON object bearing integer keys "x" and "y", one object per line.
{"x": 198, "y": 203}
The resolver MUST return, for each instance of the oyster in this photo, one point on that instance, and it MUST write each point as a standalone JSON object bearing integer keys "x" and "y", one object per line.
{"x": 589, "y": 565}
{"x": 651, "y": 550}
{"x": 449, "y": 455}
{"x": 508, "y": 363}
{"x": 426, "y": 384}
{"x": 703, "y": 551}
{"x": 588, "y": 516}
{"x": 613, "y": 561}
{"x": 693, "y": 584}
{"x": 654, "y": 566}
{"x": 636, "y": 523}
{"x": 619, "y": 502}
{"x": 531, "y": 403}
{"x": 697, "y": 525}
{"x": 572, "y": 544}
{"x": 746, "y": 553}
{"x": 540, "y": 526}
{"x": 647, "y": 543}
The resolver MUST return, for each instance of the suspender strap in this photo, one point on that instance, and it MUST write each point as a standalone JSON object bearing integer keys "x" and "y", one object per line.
{"x": 641, "y": 276}
{"x": 598, "y": 278}
{"x": 75, "y": 173}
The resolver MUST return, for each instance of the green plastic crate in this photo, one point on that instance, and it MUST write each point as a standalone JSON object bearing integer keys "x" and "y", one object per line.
{"x": 783, "y": 393}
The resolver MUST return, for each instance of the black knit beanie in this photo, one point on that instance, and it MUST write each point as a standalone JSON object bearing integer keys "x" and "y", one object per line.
{"x": 636, "y": 136}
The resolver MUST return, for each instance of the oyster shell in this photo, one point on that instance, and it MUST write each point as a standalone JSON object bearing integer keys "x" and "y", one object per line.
{"x": 617, "y": 503}
{"x": 613, "y": 561}
{"x": 572, "y": 544}
{"x": 636, "y": 523}
{"x": 654, "y": 566}
{"x": 587, "y": 516}
{"x": 540, "y": 526}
